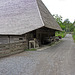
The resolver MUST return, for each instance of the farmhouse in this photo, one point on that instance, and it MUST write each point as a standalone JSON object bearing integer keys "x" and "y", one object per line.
{"x": 24, "y": 24}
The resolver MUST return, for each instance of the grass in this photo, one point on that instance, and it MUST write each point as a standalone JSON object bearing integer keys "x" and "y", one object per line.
{"x": 62, "y": 34}
{"x": 51, "y": 43}
{"x": 33, "y": 49}
{"x": 73, "y": 37}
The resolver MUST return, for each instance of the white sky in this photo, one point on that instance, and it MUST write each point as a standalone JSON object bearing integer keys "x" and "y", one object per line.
{"x": 65, "y": 8}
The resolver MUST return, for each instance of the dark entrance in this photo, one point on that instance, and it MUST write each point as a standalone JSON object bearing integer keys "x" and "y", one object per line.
{"x": 45, "y": 39}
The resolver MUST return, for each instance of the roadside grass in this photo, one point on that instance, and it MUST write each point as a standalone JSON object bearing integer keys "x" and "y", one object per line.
{"x": 51, "y": 44}
{"x": 62, "y": 34}
{"x": 73, "y": 37}
{"x": 33, "y": 49}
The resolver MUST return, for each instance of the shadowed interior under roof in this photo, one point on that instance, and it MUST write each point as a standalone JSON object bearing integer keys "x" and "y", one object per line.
{"x": 21, "y": 16}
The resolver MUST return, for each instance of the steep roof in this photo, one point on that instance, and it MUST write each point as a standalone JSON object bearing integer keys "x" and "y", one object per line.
{"x": 21, "y": 16}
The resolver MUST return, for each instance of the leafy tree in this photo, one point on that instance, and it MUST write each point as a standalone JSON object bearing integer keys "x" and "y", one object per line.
{"x": 69, "y": 27}
{"x": 66, "y": 25}
{"x": 59, "y": 20}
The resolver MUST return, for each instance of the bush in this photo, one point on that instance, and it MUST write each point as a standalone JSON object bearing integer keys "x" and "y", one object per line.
{"x": 60, "y": 34}
{"x": 74, "y": 32}
{"x": 73, "y": 37}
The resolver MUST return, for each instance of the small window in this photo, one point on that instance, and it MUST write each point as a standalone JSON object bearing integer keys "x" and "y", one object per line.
{"x": 20, "y": 38}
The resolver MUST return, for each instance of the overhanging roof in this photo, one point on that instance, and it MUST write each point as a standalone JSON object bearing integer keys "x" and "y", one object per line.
{"x": 21, "y": 16}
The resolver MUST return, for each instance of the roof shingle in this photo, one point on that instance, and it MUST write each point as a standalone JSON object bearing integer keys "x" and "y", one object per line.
{"x": 21, "y": 16}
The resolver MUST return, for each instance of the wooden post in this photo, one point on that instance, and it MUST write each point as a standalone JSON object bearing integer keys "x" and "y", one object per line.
{"x": 9, "y": 39}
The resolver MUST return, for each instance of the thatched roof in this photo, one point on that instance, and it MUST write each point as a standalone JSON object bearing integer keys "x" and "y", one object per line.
{"x": 21, "y": 16}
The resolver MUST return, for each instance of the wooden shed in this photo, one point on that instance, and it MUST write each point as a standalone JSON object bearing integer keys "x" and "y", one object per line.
{"x": 24, "y": 20}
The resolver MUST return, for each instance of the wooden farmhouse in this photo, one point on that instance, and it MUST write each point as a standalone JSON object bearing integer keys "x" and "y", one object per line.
{"x": 24, "y": 24}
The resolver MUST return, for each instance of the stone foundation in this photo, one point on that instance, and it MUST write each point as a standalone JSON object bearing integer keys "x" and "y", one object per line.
{"x": 13, "y": 48}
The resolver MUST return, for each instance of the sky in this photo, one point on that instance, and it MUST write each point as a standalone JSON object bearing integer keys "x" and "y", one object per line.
{"x": 65, "y": 8}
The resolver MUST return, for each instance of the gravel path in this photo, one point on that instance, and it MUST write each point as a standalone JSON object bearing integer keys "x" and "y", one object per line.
{"x": 56, "y": 60}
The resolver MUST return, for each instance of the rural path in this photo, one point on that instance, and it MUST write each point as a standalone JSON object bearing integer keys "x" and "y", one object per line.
{"x": 56, "y": 60}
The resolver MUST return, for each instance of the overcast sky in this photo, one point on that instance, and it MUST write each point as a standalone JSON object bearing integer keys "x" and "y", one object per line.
{"x": 65, "y": 8}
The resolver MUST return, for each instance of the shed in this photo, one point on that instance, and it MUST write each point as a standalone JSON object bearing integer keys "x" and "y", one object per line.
{"x": 23, "y": 20}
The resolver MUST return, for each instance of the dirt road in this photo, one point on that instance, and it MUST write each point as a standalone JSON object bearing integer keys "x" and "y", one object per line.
{"x": 56, "y": 60}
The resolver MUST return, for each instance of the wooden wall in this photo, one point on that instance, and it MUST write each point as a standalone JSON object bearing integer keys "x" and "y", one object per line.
{"x": 12, "y": 45}
{"x": 46, "y": 31}
{"x": 4, "y": 39}
{"x": 13, "y": 48}
{"x": 11, "y": 39}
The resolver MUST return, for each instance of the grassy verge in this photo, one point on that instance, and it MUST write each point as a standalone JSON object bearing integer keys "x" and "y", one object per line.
{"x": 33, "y": 49}
{"x": 62, "y": 34}
{"x": 51, "y": 44}
{"x": 73, "y": 37}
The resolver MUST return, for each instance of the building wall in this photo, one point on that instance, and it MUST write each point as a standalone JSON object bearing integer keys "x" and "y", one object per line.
{"x": 12, "y": 45}
{"x": 4, "y": 39}
{"x": 13, "y": 48}
{"x": 15, "y": 44}
{"x": 14, "y": 39}
{"x": 46, "y": 31}
{"x": 11, "y": 39}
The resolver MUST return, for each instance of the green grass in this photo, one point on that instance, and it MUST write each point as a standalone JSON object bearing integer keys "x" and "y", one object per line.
{"x": 33, "y": 49}
{"x": 62, "y": 34}
{"x": 73, "y": 37}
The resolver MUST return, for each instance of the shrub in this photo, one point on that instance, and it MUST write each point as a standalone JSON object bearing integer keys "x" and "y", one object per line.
{"x": 73, "y": 37}
{"x": 60, "y": 34}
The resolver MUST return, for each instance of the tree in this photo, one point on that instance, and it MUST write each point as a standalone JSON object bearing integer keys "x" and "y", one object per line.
{"x": 68, "y": 25}
{"x": 59, "y": 20}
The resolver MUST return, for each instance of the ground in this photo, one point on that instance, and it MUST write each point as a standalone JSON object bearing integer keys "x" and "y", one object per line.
{"x": 58, "y": 59}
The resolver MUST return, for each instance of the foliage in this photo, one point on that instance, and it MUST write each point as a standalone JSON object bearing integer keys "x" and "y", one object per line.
{"x": 62, "y": 34}
{"x": 66, "y": 25}
{"x": 59, "y": 21}
{"x": 73, "y": 37}
{"x": 58, "y": 18}
{"x": 74, "y": 32}
{"x": 69, "y": 27}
